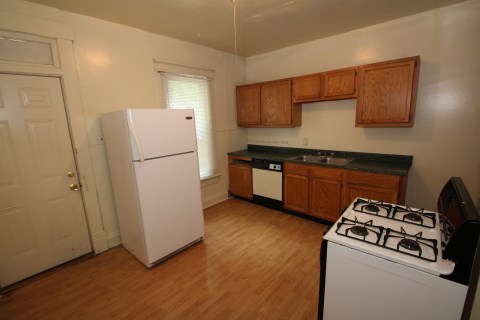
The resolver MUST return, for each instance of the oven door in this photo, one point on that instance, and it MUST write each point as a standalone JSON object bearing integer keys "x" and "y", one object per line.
{"x": 361, "y": 286}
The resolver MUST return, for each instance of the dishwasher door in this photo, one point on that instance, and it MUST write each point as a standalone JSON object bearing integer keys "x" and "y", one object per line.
{"x": 267, "y": 181}
{"x": 267, "y": 184}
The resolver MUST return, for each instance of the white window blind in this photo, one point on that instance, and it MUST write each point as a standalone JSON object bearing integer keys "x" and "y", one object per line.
{"x": 192, "y": 92}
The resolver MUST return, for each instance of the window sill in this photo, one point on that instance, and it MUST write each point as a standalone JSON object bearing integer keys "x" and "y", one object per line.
{"x": 210, "y": 180}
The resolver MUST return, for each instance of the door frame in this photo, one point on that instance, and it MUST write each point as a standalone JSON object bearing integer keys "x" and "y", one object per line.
{"x": 67, "y": 73}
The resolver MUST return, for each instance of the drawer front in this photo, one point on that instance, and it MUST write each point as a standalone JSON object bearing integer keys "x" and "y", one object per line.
{"x": 373, "y": 179}
{"x": 326, "y": 173}
{"x": 294, "y": 168}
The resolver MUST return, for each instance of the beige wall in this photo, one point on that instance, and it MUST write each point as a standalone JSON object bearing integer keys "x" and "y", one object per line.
{"x": 115, "y": 71}
{"x": 445, "y": 138}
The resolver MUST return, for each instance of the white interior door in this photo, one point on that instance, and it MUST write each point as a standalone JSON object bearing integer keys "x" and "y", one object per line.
{"x": 42, "y": 220}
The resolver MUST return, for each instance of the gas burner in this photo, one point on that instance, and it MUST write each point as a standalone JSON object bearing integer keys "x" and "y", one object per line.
{"x": 376, "y": 208}
{"x": 372, "y": 208}
{"x": 363, "y": 231}
{"x": 359, "y": 231}
{"x": 409, "y": 244}
{"x": 414, "y": 216}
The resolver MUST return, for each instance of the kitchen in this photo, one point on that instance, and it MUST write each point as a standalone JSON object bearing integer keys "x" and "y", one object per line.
{"x": 114, "y": 65}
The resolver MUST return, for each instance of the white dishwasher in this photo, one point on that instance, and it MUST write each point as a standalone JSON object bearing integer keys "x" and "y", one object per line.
{"x": 268, "y": 182}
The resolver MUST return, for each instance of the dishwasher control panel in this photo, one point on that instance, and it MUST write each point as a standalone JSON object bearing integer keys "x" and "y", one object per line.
{"x": 276, "y": 167}
{"x": 270, "y": 165}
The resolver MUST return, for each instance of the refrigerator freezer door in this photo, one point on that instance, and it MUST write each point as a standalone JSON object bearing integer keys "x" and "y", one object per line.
{"x": 170, "y": 201}
{"x": 161, "y": 132}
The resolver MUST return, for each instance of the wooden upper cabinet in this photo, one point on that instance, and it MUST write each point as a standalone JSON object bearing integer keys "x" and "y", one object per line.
{"x": 331, "y": 85}
{"x": 339, "y": 84}
{"x": 307, "y": 88}
{"x": 387, "y": 93}
{"x": 276, "y": 103}
{"x": 248, "y": 105}
{"x": 267, "y": 104}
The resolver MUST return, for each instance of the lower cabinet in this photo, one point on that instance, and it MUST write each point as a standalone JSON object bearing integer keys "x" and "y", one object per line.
{"x": 326, "y": 192}
{"x": 374, "y": 186}
{"x": 295, "y": 187}
{"x": 240, "y": 176}
{"x": 313, "y": 190}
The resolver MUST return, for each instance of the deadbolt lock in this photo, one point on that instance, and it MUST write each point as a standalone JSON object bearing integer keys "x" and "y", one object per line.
{"x": 70, "y": 173}
{"x": 73, "y": 187}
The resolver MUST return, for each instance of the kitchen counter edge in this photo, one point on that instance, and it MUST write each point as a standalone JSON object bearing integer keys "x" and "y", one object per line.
{"x": 368, "y": 162}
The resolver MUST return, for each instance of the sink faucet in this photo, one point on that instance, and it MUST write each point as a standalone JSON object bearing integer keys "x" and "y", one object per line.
{"x": 332, "y": 154}
{"x": 319, "y": 153}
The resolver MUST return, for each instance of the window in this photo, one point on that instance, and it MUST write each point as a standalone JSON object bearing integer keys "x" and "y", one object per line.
{"x": 24, "y": 48}
{"x": 193, "y": 92}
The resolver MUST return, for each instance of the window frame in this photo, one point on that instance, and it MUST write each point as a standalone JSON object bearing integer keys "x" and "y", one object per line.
{"x": 212, "y": 172}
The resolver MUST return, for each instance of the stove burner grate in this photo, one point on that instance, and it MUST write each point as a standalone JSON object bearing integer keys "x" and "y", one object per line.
{"x": 414, "y": 216}
{"x": 362, "y": 231}
{"x": 411, "y": 244}
{"x": 377, "y": 208}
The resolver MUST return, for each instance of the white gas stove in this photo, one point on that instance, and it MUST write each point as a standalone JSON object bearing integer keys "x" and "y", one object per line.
{"x": 405, "y": 235}
{"x": 388, "y": 261}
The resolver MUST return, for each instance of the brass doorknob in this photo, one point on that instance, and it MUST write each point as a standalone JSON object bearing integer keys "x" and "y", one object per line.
{"x": 70, "y": 173}
{"x": 73, "y": 187}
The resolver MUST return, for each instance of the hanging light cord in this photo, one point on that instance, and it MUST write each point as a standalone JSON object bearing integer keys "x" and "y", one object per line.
{"x": 235, "y": 29}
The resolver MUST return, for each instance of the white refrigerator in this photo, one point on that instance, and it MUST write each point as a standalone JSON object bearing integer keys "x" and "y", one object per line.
{"x": 153, "y": 161}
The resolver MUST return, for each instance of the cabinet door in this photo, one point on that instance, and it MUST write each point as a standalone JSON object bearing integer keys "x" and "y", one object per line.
{"x": 307, "y": 88}
{"x": 369, "y": 192}
{"x": 387, "y": 93}
{"x": 326, "y": 192}
{"x": 240, "y": 175}
{"x": 276, "y": 103}
{"x": 339, "y": 84}
{"x": 295, "y": 192}
{"x": 248, "y": 105}
{"x": 374, "y": 186}
{"x": 325, "y": 198}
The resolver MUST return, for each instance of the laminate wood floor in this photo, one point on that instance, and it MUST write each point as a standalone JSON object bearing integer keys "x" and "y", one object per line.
{"x": 254, "y": 263}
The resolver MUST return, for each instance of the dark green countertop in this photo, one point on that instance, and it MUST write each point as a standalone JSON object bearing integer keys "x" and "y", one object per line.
{"x": 370, "y": 162}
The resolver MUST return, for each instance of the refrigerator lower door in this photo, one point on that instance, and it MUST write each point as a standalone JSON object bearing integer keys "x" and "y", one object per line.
{"x": 170, "y": 203}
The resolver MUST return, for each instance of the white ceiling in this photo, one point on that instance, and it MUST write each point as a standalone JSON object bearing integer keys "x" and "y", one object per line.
{"x": 261, "y": 25}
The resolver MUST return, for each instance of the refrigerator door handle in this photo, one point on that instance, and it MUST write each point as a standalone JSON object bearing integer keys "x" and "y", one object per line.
{"x": 135, "y": 137}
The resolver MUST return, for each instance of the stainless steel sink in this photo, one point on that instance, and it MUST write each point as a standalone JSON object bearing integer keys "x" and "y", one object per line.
{"x": 323, "y": 159}
{"x": 336, "y": 161}
{"x": 309, "y": 158}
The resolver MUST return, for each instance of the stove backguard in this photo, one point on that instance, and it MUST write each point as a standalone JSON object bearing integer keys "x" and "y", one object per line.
{"x": 459, "y": 212}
